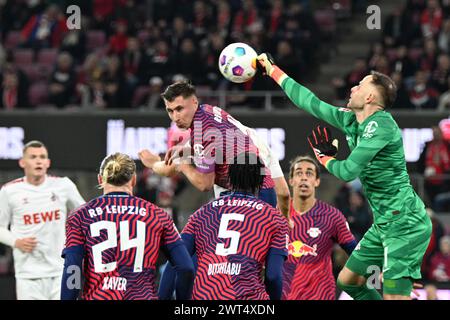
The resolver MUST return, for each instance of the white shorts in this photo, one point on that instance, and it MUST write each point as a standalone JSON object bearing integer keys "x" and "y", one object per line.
{"x": 39, "y": 289}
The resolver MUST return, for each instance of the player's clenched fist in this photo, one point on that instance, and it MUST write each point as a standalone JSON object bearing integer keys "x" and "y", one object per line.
{"x": 148, "y": 158}
{"x": 182, "y": 153}
{"x": 266, "y": 61}
{"x": 26, "y": 245}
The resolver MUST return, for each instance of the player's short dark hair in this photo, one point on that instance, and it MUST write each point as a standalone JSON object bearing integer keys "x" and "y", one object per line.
{"x": 180, "y": 88}
{"x": 117, "y": 169}
{"x": 33, "y": 144}
{"x": 246, "y": 173}
{"x": 305, "y": 158}
{"x": 386, "y": 86}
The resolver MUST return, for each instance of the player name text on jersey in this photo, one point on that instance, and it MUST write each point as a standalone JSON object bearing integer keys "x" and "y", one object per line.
{"x": 115, "y": 283}
{"x": 224, "y": 268}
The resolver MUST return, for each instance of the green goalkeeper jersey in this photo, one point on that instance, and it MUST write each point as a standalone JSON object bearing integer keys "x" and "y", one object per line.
{"x": 377, "y": 157}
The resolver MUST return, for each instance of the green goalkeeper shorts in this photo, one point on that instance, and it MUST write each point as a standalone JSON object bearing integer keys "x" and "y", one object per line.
{"x": 396, "y": 248}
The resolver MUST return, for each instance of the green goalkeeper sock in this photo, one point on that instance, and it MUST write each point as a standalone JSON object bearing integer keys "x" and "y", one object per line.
{"x": 360, "y": 292}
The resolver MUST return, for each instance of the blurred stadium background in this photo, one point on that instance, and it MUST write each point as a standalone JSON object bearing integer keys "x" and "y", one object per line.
{"x": 95, "y": 90}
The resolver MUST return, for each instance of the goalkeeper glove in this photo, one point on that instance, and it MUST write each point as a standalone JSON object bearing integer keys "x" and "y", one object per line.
{"x": 324, "y": 146}
{"x": 265, "y": 63}
{"x": 267, "y": 66}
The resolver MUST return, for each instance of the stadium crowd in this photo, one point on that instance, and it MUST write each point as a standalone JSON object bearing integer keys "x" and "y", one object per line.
{"x": 126, "y": 50}
{"x": 414, "y": 49}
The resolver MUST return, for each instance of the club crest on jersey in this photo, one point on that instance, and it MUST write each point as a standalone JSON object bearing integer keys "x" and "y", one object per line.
{"x": 370, "y": 129}
{"x": 54, "y": 197}
{"x": 198, "y": 150}
{"x": 314, "y": 232}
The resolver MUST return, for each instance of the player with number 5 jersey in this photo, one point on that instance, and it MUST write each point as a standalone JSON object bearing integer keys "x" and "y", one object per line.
{"x": 235, "y": 236}
{"x": 118, "y": 237}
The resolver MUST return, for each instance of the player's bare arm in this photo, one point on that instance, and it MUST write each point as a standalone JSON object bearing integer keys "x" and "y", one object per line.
{"x": 202, "y": 181}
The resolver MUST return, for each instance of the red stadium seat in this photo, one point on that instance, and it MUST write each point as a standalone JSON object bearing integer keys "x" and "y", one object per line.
{"x": 23, "y": 56}
{"x": 47, "y": 56}
{"x": 139, "y": 94}
{"x": 38, "y": 93}
{"x": 95, "y": 39}
{"x": 37, "y": 72}
{"x": 12, "y": 39}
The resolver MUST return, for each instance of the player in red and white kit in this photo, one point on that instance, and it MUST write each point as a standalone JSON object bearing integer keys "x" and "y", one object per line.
{"x": 116, "y": 239}
{"x": 307, "y": 273}
{"x": 215, "y": 139}
{"x": 35, "y": 208}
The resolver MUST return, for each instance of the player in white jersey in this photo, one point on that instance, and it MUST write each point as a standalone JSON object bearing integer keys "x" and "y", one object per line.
{"x": 35, "y": 208}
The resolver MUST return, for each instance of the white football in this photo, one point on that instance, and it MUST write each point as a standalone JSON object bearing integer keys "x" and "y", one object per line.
{"x": 237, "y": 62}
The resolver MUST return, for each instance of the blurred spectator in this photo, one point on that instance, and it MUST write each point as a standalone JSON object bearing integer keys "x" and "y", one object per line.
{"x": 357, "y": 214}
{"x": 437, "y": 232}
{"x": 188, "y": 62}
{"x": 160, "y": 63}
{"x": 216, "y": 43}
{"x": 402, "y": 101}
{"x": 398, "y": 28}
{"x": 14, "y": 88}
{"x": 382, "y": 65}
{"x": 433, "y": 162}
{"x": 431, "y": 292}
{"x": 74, "y": 42}
{"x": 246, "y": 18}
{"x": 223, "y": 18}
{"x": 2, "y": 55}
{"x": 343, "y": 86}
{"x": 62, "y": 83}
{"x": 89, "y": 78}
{"x": 440, "y": 262}
{"x": 427, "y": 61}
{"x": 422, "y": 95}
{"x": 103, "y": 11}
{"x": 376, "y": 52}
{"x": 113, "y": 84}
{"x": 152, "y": 100}
{"x": 444, "y": 37}
{"x": 288, "y": 60}
{"x": 444, "y": 100}
{"x": 275, "y": 16}
{"x": 13, "y": 15}
{"x": 402, "y": 63}
{"x": 441, "y": 73}
{"x": 178, "y": 32}
{"x": 442, "y": 201}
{"x": 119, "y": 40}
{"x": 202, "y": 19}
{"x": 134, "y": 66}
{"x": 431, "y": 19}
{"x": 44, "y": 30}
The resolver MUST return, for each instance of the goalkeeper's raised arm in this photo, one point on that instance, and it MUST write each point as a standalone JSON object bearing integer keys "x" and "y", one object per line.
{"x": 302, "y": 97}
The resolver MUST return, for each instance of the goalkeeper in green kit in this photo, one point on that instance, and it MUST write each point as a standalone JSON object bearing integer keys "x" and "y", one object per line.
{"x": 399, "y": 236}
